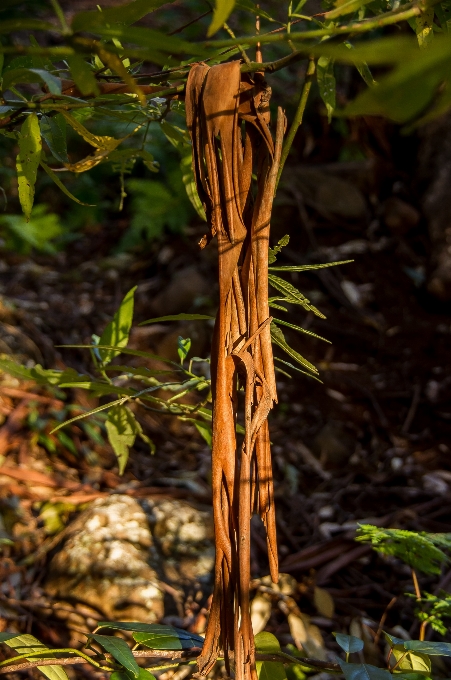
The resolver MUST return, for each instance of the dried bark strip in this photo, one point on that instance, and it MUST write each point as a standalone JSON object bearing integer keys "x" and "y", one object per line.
{"x": 228, "y": 119}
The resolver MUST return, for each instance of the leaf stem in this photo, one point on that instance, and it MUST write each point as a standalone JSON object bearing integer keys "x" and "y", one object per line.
{"x": 65, "y": 30}
{"x": 298, "y": 116}
{"x": 416, "y": 585}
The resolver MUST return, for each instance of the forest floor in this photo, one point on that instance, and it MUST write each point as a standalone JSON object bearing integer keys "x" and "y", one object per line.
{"x": 368, "y": 444}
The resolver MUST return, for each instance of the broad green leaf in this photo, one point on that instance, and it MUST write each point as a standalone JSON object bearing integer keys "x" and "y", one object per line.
{"x": 183, "y": 347}
{"x": 306, "y": 267}
{"x": 205, "y": 430}
{"x": 39, "y": 232}
{"x": 267, "y": 643}
{"x": 28, "y": 643}
{"x": 143, "y": 675}
{"x": 279, "y": 339}
{"x": 160, "y": 636}
{"x": 424, "y": 27}
{"x": 349, "y": 643}
{"x": 363, "y": 671}
{"x": 411, "y": 661}
{"x": 122, "y": 429}
{"x": 221, "y": 12}
{"x": 119, "y": 650}
{"x": 4, "y": 637}
{"x": 293, "y": 295}
{"x": 116, "y": 65}
{"x": 118, "y": 330}
{"x": 398, "y": 95}
{"x": 27, "y": 162}
{"x": 301, "y": 330}
{"x": 154, "y": 628}
{"x": 31, "y": 75}
{"x": 431, "y": 648}
{"x": 125, "y": 14}
{"x": 190, "y": 185}
{"x": 148, "y": 37}
{"x": 82, "y": 75}
{"x": 343, "y": 7}
{"x": 53, "y": 130}
{"x": 177, "y": 317}
{"x": 326, "y": 84}
{"x": 54, "y": 177}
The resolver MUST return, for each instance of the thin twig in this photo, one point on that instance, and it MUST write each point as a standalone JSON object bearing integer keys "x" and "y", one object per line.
{"x": 413, "y": 409}
{"x": 298, "y": 116}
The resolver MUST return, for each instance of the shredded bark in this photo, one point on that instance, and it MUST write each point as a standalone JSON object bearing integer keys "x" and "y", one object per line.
{"x": 228, "y": 118}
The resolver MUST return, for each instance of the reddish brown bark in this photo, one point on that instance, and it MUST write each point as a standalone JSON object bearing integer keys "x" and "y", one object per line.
{"x": 228, "y": 119}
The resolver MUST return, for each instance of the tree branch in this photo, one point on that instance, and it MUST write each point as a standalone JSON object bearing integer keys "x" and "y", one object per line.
{"x": 174, "y": 659}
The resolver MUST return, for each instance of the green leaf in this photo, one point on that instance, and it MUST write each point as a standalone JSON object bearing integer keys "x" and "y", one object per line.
{"x": 4, "y": 637}
{"x": 31, "y": 75}
{"x": 343, "y": 7}
{"x": 418, "y": 549}
{"x": 221, "y": 12}
{"x": 143, "y": 675}
{"x": 307, "y": 267}
{"x": 190, "y": 185}
{"x": 119, "y": 650}
{"x": 398, "y": 95}
{"x": 431, "y": 648}
{"x": 363, "y": 671}
{"x": 38, "y": 232}
{"x": 150, "y": 37}
{"x": 327, "y": 84}
{"x": 122, "y": 428}
{"x": 54, "y": 177}
{"x": 301, "y": 330}
{"x": 177, "y": 317}
{"x": 83, "y": 75}
{"x": 124, "y": 15}
{"x": 118, "y": 330}
{"x": 349, "y": 643}
{"x": 278, "y": 338}
{"x": 293, "y": 295}
{"x": 28, "y": 643}
{"x": 424, "y": 27}
{"x": 267, "y": 643}
{"x": 27, "y": 162}
{"x": 53, "y": 130}
{"x": 274, "y": 251}
{"x": 255, "y": 9}
{"x": 155, "y": 628}
{"x": 92, "y": 412}
{"x": 411, "y": 661}
{"x": 183, "y": 347}
{"x": 159, "y": 636}
{"x": 205, "y": 430}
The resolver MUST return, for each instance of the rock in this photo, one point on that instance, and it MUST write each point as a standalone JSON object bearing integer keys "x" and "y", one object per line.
{"x": 117, "y": 556}
{"x": 105, "y": 562}
{"x": 329, "y": 194}
{"x": 183, "y": 535}
{"x": 399, "y": 216}
{"x": 179, "y": 294}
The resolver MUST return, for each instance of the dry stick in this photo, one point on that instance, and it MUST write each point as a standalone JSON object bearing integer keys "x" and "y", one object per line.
{"x": 384, "y": 618}
{"x": 297, "y": 120}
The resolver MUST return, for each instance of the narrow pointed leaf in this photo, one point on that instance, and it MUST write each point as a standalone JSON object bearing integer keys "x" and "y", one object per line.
{"x": 177, "y": 317}
{"x": 119, "y": 650}
{"x": 118, "y": 330}
{"x": 27, "y": 163}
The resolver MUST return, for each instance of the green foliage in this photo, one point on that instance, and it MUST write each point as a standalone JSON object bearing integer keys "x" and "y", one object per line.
{"x": 27, "y": 162}
{"x": 119, "y": 650}
{"x": 118, "y": 330}
{"x": 39, "y": 231}
{"x": 267, "y": 643}
{"x": 349, "y": 643}
{"x": 435, "y": 608}
{"x": 122, "y": 428}
{"x": 419, "y": 550}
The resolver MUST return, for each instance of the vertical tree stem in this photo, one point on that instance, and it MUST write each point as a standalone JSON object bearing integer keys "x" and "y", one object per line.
{"x": 416, "y": 585}
{"x": 297, "y": 120}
